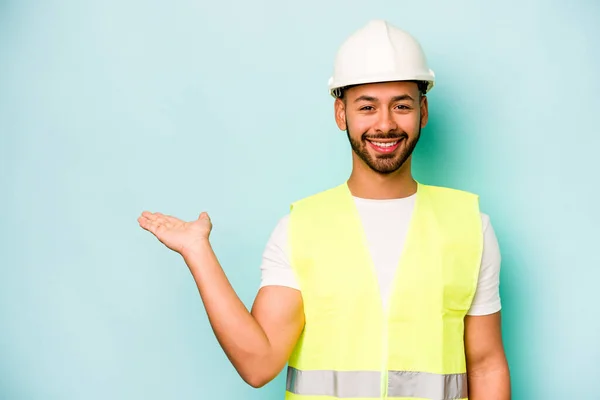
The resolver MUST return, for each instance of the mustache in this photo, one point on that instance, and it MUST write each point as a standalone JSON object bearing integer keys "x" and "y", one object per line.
{"x": 394, "y": 135}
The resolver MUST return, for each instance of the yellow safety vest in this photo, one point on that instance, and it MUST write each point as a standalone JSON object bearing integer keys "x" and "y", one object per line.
{"x": 350, "y": 346}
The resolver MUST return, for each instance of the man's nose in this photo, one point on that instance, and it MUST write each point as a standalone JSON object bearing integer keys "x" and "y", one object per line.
{"x": 385, "y": 121}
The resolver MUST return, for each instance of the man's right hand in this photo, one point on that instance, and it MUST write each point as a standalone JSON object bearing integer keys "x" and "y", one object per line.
{"x": 180, "y": 236}
{"x": 258, "y": 343}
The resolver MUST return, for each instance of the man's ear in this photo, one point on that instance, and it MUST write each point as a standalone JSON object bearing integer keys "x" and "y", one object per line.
{"x": 340, "y": 114}
{"x": 424, "y": 111}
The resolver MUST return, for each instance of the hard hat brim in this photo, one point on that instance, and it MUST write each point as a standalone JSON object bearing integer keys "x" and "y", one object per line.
{"x": 428, "y": 77}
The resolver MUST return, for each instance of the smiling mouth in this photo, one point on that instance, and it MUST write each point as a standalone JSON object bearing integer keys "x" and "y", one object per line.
{"x": 385, "y": 145}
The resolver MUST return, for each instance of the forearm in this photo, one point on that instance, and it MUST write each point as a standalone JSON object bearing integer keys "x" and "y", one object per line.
{"x": 490, "y": 383}
{"x": 237, "y": 331}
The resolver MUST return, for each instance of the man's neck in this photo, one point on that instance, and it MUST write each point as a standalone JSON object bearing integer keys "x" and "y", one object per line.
{"x": 368, "y": 184}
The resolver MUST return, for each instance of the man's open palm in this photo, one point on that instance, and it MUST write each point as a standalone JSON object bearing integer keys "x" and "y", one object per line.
{"x": 177, "y": 235}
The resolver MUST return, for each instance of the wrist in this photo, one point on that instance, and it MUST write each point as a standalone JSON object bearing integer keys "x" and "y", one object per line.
{"x": 199, "y": 248}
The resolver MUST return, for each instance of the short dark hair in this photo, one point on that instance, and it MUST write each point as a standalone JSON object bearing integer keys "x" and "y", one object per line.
{"x": 423, "y": 85}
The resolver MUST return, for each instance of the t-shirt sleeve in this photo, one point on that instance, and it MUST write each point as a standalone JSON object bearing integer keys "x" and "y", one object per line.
{"x": 276, "y": 269}
{"x": 487, "y": 295}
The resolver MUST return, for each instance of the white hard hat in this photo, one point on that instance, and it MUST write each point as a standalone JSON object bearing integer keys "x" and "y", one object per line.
{"x": 379, "y": 52}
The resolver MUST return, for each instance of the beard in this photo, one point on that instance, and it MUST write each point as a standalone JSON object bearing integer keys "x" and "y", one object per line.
{"x": 384, "y": 163}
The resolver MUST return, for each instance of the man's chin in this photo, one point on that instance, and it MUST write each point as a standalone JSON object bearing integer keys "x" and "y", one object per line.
{"x": 385, "y": 169}
{"x": 389, "y": 164}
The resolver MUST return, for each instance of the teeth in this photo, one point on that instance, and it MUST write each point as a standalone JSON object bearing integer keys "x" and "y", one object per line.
{"x": 379, "y": 144}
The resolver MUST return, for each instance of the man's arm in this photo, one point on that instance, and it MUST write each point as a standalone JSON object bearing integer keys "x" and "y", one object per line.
{"x": 257, "y": 343}
{"x": 487, "y": 368}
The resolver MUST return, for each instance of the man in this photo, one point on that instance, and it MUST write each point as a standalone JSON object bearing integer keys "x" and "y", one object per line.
{"x": 381, "y": 287}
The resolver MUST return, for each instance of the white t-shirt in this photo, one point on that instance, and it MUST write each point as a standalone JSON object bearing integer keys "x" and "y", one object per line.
{"x": 385, "y": 241}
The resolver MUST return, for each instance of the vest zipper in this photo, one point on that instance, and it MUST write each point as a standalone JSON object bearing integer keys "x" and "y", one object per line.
{"x": 385, "y": 346}
{"x": 384, "y": 371}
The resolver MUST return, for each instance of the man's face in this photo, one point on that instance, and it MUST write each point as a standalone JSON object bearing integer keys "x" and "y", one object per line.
{"x": 383, "y": 122}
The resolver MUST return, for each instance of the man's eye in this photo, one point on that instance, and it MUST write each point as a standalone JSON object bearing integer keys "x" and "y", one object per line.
{"x": 366, "y": 108}
{"x": 403, "y": 107}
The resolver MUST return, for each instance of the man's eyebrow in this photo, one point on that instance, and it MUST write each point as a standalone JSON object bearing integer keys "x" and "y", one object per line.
{"x": 402, "y": 97}
{"x": 375, "y": 99}
{"x": 366, "y": 98}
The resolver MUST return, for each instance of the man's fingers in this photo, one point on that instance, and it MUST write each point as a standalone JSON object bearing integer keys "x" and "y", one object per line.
{"x": 148, "y": 215}
{"x": 154, "y": 217}
{"x": 163, "y": 219}
{"x": 145, "y": 222}
{"x": 160, "y": 216}
{"x": 153, "y": 221}
{"x": 150, "y": 225}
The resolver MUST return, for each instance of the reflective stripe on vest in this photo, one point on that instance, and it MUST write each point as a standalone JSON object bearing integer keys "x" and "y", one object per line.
{"x": 349, "y": 384}
{"x": 343, "y": 384}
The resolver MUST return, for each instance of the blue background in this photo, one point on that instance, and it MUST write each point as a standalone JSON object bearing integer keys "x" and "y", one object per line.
{"x": 110, "y": 108}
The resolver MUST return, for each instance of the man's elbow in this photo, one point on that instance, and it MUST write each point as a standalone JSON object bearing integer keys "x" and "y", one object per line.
{"x": 256, "y": 381}
{"x": 500, "y": 369}
{"x": 258, "y": 377}
{"x": 493, "y": 364}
